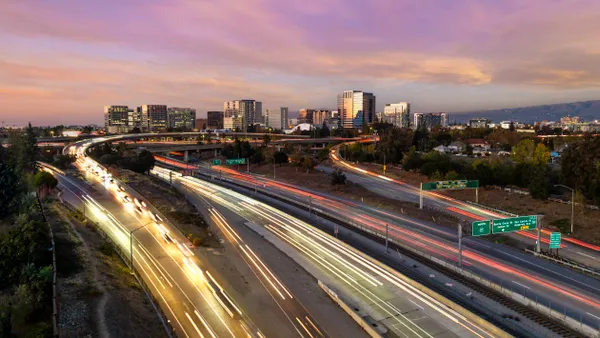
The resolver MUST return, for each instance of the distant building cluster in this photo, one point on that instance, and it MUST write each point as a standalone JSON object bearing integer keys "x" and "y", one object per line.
{"x": 430, "y": 120}
{"x": 571, "y": 124}
{"x": 147, "y": 118}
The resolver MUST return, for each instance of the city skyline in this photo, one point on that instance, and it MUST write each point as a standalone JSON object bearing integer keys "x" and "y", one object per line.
{"x": 68, "y": 60}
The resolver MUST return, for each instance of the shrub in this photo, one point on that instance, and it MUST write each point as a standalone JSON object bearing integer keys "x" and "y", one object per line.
{"x": 338, "y": 177}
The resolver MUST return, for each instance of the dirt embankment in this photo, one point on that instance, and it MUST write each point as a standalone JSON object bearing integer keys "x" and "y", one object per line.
{"x": 556, "y": 215}
{"x": 173, "y": 205}
{"x": 98, "y": 295}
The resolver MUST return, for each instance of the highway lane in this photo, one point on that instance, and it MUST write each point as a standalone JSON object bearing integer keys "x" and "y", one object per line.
{"x": 572, "y": 248}
{"x": 346, "y": 269}
{"x": 548, "y": 284}
{"x": 187, "y": 303}
{"x": 203, "y": 277}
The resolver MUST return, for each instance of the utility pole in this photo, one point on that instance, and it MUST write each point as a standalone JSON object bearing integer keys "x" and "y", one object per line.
{"x": 421, "y": 197}
{"x": 387, "y": 226}
{"x": 248, "y": 165}
{"x": 273, "y": 167}
{"x": 539, "y": 234}
{"x": 384, "y": 166}
{"x": 460, "y": 244}
{"x": 310, "y": 205}
{"x": 170, "y": 178}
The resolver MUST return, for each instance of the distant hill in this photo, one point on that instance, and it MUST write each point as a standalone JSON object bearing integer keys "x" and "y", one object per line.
{"x": 586, "y": 110}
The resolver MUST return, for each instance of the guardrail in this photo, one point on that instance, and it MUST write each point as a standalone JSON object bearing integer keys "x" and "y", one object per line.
{"x": 55, "y": 332}
{"x": 492, "y": 209}
{"x": 515, "y": 296}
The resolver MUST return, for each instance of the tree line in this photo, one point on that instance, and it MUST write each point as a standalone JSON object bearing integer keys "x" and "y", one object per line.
{"x": 25, "y": 259}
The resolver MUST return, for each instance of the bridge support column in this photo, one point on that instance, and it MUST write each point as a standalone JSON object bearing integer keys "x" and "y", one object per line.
{"x": 186, "y": 156}
{"x": 216, "y": 153}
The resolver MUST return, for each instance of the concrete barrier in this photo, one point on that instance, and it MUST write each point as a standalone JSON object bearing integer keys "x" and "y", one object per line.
{"x": 357, "y": 318}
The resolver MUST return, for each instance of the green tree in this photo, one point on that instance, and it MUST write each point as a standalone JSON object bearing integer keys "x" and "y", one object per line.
{"x": 63, "y": 161}
{"x": 266, "y": 139}
{"x": 580, "y": 167}
{"x": 412, "y": 160}
{"x": 11, "y": 189}
{"x": 44, "y": 180}
{"x": 280, "y": 157}
{"x": 338, "y": 177}
{"x": 308, "y": 163}
{"x": 528, "y": 152}
{"x": 539, "y": 183}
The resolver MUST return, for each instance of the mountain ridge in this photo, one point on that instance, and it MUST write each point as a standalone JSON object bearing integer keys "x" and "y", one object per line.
{"x": 585, "y": 110}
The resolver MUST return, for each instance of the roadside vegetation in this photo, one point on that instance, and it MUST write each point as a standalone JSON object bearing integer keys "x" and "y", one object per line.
{"x": 25, "y": 256}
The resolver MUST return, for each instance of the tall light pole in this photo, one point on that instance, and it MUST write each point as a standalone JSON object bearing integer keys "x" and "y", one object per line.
{"x": 572, "y": 203}
{"x": 131, "y": 243}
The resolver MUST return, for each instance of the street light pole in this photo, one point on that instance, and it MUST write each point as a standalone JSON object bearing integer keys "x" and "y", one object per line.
{"x": 572, "y": 203}
{"x": 131, "y": 243}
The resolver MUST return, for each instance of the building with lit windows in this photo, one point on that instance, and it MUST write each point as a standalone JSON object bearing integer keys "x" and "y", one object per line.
{"x": 116, "y": 119}
{"x": 356, "y": 109}
{"x": 397, "y": 114}
{"x": 154, "y": 117}
{"x": 250, "y": 111}
{"x": 181, "y": 118}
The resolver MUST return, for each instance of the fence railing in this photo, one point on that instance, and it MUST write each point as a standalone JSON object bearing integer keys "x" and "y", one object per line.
{"x": 55, "y": 332}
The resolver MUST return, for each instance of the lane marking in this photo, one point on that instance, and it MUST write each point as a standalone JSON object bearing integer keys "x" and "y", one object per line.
{"x": 584, "y": 254}
{"x": 593, "y": 315}
{"x": 519, "y": 284}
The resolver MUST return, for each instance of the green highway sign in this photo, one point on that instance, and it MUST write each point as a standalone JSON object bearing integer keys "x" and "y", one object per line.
{"x": 514, "y": 224}
{"x": 555, "y": 240}
{"x": 235, "y": 161}
{"x": 481, "y": 228}
{"x": 448, "y": 185}
{"x": 216, "y": 162}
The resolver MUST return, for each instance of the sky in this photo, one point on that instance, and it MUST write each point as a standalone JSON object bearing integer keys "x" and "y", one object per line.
{"x": 61, "y": 61}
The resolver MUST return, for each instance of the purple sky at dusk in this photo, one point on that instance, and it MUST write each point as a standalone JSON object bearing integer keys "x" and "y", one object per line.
{"x": 63, "y": 60}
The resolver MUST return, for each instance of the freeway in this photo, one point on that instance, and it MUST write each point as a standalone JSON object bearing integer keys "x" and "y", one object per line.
{"x": 575, "y": 295}
{"x": 189, "y": 291}
{"x": 400, "y": 307}
{"x": 572, "y": 248}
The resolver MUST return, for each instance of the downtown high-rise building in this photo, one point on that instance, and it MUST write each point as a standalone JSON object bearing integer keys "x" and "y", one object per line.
{"x": 430, "y": 120}
{"x": 285, "y": 121}
{"x": 116, "y": 119}
{"x": 181, "y": 118}
{"x": 321, "y": 116}
{"x": 214, "y": 120}
{"x": 154, "y": 117}
{"x": 305, "y": 116}
{"x": 397, "y": 114}
{"x": 356, "y": 109}
{"x": 249, "y": 111}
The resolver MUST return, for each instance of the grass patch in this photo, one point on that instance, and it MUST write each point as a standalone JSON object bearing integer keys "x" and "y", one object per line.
{"x": 563, "y": 224}
{"x": 106, "y": 249}
{"x": 67, "y": 256}
{"x": 90, "y": 291}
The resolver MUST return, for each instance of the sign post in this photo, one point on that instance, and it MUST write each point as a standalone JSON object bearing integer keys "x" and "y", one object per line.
{"x": 451, "y": 185}
{"x": 481, "y": 228}
{"x": 421, "y": 197}
{"x": 216, "y": 162}
{"x": 460, "y": 244}
{"x": 237, "y": 161}
{"x": 514, "y": 224}
{"x": 555, "y": 241}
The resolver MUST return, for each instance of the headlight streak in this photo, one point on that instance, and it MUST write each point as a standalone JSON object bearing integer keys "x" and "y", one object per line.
{"x": 430, "y": 302}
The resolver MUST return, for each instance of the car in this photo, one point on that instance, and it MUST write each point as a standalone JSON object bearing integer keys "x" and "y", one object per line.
{"x": 184, "y": 250}
{"x": 144, "y": 205}
{"x": 167, "y": 237}
{"x": 153, "y": 217}
{"x": 137, "y": 202}
{"x": 121, "y": 188}
{"x": 127, "y": 199}
{"x": 138, "y": 210}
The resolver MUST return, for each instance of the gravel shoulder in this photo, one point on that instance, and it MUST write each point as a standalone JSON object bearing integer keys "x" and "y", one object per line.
{"x": 98, "y": 297}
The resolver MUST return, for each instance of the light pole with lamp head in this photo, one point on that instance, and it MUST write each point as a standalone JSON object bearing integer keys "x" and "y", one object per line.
{"x": 131, "y": 243}
{"x": 572, "y": 203}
